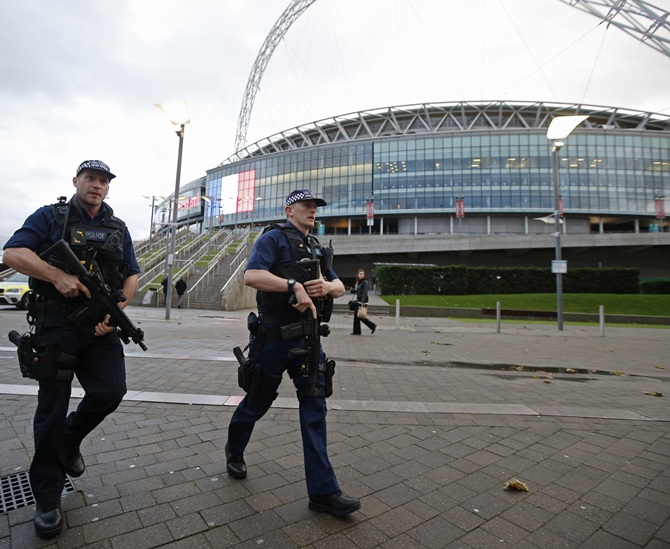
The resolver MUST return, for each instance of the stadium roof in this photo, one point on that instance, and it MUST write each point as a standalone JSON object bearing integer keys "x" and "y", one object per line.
{"x": 443, "y": 118}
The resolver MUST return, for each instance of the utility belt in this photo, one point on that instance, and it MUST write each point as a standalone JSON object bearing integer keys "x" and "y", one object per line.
{"x": 262, "y": 385}
{"x": 77, "y": 311}
{"x": 54, "y": 307}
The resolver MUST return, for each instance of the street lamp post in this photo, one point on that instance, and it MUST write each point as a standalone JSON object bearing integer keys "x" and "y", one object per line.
{"x": 178, "y": 114}
{"x": 253, "y": 207}
{"x": 560, "y": 128}
{"x": 211, "y": 201}
{"x": 153, "y": 212}
{"x": 659, "y": 202}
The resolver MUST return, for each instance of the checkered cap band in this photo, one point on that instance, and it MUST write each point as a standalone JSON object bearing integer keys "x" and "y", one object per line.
{"x": 304, "y": 194}
{"x": 98, "y": 165}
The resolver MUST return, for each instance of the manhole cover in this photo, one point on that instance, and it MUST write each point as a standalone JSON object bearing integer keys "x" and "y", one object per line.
{"x": 16, "y": 492}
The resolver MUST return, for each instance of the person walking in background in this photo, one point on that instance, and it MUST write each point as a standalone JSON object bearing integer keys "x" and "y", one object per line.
{"x": 164, "y": 285}
{"x": 180, "y": 286}
{"x": 87, "y": 345}
{"x": 361, "y": 291}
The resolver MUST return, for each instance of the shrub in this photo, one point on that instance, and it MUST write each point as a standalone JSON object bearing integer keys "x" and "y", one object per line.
{"x": 462, "y": 280}
{"x": 655, "y": 287}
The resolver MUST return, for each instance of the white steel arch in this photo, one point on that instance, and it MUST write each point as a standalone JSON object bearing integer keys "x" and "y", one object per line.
{"x": 637, "y": 18}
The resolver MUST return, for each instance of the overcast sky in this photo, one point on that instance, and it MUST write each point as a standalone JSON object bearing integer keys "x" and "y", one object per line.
{"x": 79, "y": 79}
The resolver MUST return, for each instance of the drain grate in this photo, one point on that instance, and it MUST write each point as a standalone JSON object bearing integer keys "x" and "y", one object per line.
{"x": 16, "y": 492}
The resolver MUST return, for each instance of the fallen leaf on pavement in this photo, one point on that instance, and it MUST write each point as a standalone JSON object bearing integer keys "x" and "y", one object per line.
{"x": 516, "y": 484}
{"x": 653, "y": 393}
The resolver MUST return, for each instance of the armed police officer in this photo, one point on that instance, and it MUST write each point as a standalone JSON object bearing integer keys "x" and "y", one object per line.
{"x": 284, "y": 337}
{"x": 87, "y": 347}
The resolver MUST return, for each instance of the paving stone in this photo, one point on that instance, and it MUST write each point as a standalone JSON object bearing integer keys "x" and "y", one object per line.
{"x": 631, "y": 528}
{"x": 572, "y": 527}
{"x": 152, "y": 536}
{"x": 395, "y": 521}
{"x": 365, "y": 535}
{"x": 435, "y": 533}
{"x": 423, "y": 446}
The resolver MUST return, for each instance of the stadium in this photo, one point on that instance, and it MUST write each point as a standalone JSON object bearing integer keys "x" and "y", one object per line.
{"x": 472, "y": 183}
{"x": 459, "y": 183}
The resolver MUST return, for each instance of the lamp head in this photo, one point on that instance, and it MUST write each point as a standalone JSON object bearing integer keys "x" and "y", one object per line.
{"x": 562, "y": 126}
{"x": 176, "y": 111}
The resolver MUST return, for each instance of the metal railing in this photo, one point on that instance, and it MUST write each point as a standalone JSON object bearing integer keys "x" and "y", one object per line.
{"x": 196, "y": 249}
{"x": 229, "y": 283}
{"x": 215, "y": 264}
{"x": 239, "y": 257}
{"x": 212, "y": 270}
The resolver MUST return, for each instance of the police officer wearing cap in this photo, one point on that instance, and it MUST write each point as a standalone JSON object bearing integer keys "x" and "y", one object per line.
{"x": 272, "y": 271}
{"x": 90, "y": 348}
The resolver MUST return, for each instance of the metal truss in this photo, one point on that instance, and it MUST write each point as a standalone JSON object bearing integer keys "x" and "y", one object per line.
{"x": 277, "y": 32}
{"x": 639, "y": 19}
{"x": 441, "y": 118}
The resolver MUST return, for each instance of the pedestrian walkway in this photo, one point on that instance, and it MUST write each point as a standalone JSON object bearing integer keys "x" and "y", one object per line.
{"x": 428, "y": 420}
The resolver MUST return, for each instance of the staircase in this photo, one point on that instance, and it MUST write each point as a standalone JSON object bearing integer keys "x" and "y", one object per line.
{"x": 207, "y": 294}
{"x": 206, "y": 269}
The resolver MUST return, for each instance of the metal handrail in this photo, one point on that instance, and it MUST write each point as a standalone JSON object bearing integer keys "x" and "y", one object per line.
{"x": 229, "y": 282}
{"x": 148, "y": 276}
{"x": 216, "y": 263}
{"x": 241, "y": 253}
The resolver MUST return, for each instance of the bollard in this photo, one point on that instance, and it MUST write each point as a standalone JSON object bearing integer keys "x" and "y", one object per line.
{"x": 498, "y": 317}
{"x": 602, "y": 320}
{"x": 397, "y": 314}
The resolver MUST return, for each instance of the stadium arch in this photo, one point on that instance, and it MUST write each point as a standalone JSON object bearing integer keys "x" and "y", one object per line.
{"x": 637, "y": 18}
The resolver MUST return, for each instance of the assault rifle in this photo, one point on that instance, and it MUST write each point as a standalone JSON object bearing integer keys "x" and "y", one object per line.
{"x": 312, "y": 329}
{"x": 103, "y": 299}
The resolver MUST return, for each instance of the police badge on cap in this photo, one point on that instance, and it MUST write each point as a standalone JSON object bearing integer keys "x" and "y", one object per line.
{"x": 97, "y": 165}
{"x": 304, "y": 194}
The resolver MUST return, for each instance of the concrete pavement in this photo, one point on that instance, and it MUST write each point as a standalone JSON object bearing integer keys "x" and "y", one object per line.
{"x": 428, "y": 420}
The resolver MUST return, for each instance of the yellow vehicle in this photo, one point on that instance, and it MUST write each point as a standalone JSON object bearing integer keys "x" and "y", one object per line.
{"x": 14, "y": 290}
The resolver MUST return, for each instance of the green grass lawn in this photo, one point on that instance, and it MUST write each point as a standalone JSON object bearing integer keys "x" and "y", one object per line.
{"x": 615, "y": 304}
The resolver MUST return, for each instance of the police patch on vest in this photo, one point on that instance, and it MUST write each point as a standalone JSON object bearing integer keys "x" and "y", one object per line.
{"x": 78, "y": 237}
{"x": 95, "y": 237}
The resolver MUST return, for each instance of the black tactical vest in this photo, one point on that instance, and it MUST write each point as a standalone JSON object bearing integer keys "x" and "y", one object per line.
{"x": 277, "y": 302}
{"x": 102, "y": 243}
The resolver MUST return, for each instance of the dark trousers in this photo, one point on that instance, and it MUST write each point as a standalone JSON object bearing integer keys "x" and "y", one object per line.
{"x": 357, "y": 323}
{"x": 100, "y": 369}
{"x": 274, "y": 359}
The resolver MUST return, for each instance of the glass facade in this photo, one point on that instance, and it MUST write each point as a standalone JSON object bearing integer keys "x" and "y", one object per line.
{"x": 602, "y": 172}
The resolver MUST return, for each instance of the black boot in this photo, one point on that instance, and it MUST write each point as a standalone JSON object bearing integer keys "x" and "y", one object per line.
{"x": 235, "y": 465}
{"x": 48, "y": 520}
{"x": 75, "y": 466}
{"x": 337, "y": 504}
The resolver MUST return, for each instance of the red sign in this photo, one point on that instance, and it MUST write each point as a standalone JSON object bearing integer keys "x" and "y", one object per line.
{"x": 660, "y": 208}
{"x": 460, "y": 207}
{"x": 370, "y": 209}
